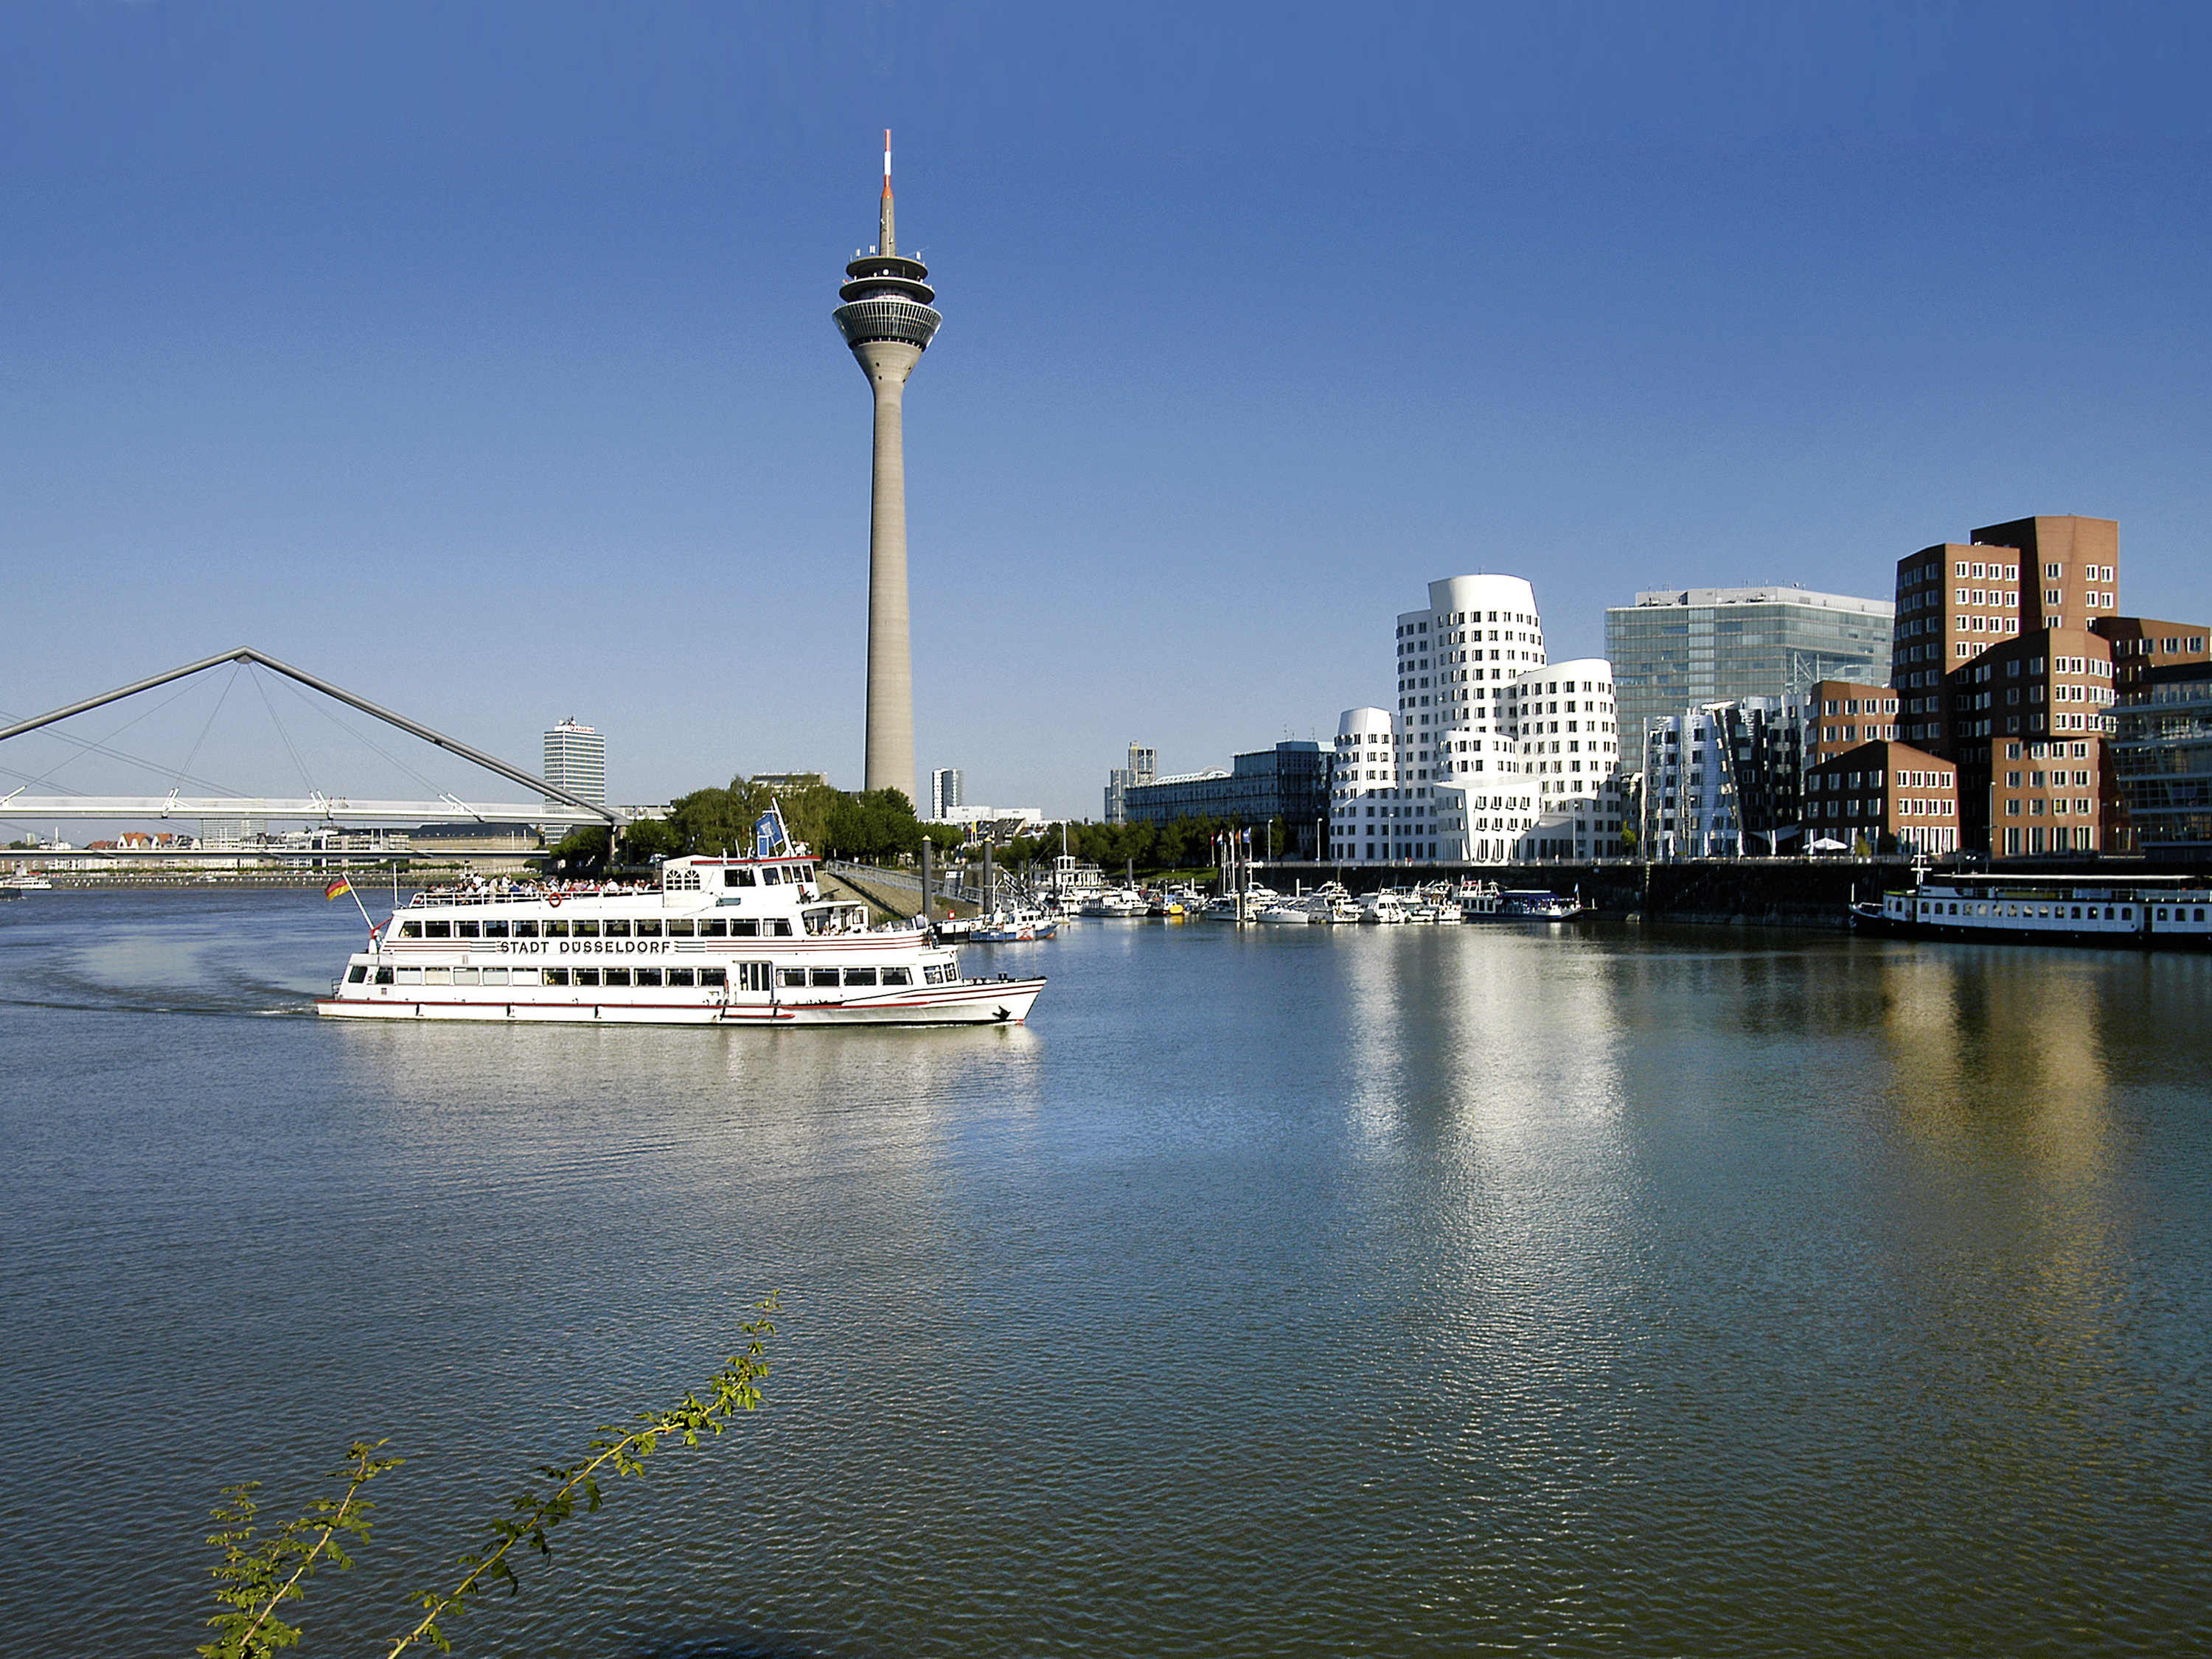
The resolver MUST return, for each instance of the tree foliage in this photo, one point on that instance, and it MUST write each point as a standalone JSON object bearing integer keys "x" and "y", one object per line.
{"x": 261, "y": 1573}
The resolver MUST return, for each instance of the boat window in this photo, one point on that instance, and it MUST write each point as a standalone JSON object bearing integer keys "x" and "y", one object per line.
{"x": 618, "y": 928}
{"x": 737, "y": 878}
{"x": 679, "y": 976}
{"x": 752, "y": 977}
{"x": 464, "y": 976}
{"x": 614, "y": 976}
{"x": 823, "y": 975}
{"x": 648, "y": 927}
{"x": 410, "y": 975}
{"x": 410, "y": 930}
{"x": 468, "y": 930}
{"x": 790, "y": 977}
{"x": 587, "y": 977}
{"x": 495, "y": 930}
{"x": 556, "y": 930}
{"x": 383, "y": 977}
{"x": 780, "y": 927}
{"x": 360, "y": 973}
{"x": 648, "y": 976}
{"x": 712, "y": 977}
{"x": 744, "y": 928}
{"x": 494, "y": 976}
{"x": 2161, "y": 912}
{"x": 437, "y": 929}
{"x": 770, "y": 875}
{"x": 553, "y": 976}
{"x": 526, "y": 930}
{"x": 898, "y": 976}
{"x": 437, "y": 976}
{"x": 717, "y": 928}
{"x": 524, "y": 976}
{"x": 859, "y": 976}
{"x": 586, "y": 929}
{"x": 2128, "y": 912}
{"x": 2077, "y": 913}
{"x": 680, "y": 930}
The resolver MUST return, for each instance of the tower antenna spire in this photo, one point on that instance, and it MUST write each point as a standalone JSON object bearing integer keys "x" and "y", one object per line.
{"x": 887, "y": 237}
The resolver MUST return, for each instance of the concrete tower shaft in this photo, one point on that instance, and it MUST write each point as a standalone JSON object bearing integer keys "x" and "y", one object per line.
{"x": 888, "y": 322}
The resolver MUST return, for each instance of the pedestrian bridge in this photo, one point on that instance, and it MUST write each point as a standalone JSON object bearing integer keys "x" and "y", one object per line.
{"x": 552, "y": 804}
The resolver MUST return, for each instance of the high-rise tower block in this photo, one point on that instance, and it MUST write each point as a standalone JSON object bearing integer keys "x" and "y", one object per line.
{"x": 888, "y": 321}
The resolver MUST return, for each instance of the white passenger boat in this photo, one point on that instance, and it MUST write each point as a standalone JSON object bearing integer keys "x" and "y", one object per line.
{"x": 721, "y": 941}
{"x": 2049, "y": 909}
{"x": 24, "y": 879}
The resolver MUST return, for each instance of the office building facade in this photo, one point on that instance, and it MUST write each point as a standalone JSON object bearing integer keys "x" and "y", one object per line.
{"x": 1289, "y": 782}
{"x": 945, "y": 798}
{"x": 1142, "y": 767}
{"x": 2162, "y": 760}
{"x": 1687, "y": 647}
{"x": 576, "y": 761}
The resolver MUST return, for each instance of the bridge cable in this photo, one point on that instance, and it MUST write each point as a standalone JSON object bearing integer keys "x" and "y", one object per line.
{"x": 86, "y": 745}
{"x": 178, "y": 782}
{"x": 322, "y": 709}
{"x": 284, "y": 735}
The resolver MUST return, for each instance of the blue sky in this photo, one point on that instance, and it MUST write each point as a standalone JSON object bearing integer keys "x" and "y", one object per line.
{"x": 479, "y": 357}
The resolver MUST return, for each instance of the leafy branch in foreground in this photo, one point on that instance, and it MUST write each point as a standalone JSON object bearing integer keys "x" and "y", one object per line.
{"x": 255, "y": 1579}
{"x": 623, "y": 1451}
{"x": 260, "y": 1573}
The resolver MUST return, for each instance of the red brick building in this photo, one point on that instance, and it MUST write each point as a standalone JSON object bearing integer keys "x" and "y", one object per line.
{"x": 1884, "y": 797}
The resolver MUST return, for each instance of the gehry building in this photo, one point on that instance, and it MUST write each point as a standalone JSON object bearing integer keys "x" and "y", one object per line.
{"x": 1494, "y": 753}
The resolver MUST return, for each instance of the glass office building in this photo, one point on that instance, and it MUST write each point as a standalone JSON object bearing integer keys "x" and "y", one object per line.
{"x": 1679, "y": 650}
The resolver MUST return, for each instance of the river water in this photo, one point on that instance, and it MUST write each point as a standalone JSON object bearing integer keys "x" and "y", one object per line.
{"x": 1299, "y": 1292}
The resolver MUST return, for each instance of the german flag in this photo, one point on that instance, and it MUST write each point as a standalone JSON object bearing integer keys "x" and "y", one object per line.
{"x": 337, "y": 888}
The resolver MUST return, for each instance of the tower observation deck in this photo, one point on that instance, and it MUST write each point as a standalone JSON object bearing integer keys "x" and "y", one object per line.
{"x": 888, "y": 321}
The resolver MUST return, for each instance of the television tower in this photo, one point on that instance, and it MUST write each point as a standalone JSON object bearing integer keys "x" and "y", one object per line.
{"x": 888, "y": 321}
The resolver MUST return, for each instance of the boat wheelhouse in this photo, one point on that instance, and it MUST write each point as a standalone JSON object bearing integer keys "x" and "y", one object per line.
{"x": 720, "y": 941}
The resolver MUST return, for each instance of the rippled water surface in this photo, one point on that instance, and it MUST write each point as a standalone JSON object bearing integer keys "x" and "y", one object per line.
{"x": 1308, "y": 1291}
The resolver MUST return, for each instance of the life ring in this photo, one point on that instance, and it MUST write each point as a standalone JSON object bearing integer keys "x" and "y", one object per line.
{"x": 553, "y": 899}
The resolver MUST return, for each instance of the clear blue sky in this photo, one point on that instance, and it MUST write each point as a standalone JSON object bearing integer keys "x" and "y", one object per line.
{"x": 480, "y": 357}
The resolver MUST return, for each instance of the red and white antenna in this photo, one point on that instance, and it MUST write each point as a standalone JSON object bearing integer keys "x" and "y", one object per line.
{"x": 887, "y": 161}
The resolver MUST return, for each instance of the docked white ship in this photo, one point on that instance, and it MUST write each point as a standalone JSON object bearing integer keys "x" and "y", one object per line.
{"x": 721, "y": 941}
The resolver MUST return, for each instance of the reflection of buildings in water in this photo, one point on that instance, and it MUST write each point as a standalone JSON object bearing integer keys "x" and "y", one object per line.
{"x": 2008, "y": 1266}
{"x": 2002, "y": 1044}
{"x": 1486, "y": 1069}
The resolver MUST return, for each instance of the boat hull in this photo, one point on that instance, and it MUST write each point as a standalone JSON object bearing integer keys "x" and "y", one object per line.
{"x": 970, "y": 1002}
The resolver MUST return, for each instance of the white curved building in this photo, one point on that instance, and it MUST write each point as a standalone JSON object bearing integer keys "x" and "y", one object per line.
{"x": 1488, "y": 757}
{"x": 1363, "y": 790}
{"x": 1568, "y": 728}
